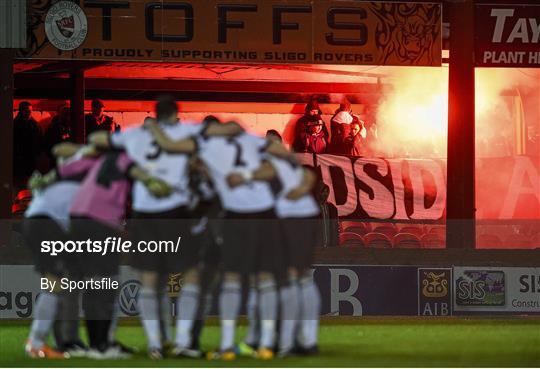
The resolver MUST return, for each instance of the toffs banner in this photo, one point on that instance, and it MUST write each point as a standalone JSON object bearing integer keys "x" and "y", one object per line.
{"x": 239, "y": 31}
{"x": 415, "y": 189}
{"x": 507, "y": 35}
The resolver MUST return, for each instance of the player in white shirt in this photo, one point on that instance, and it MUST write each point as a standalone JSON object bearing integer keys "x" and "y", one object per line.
{"x": 161, "y": 219}
{"x": 297, "y": 210}
{"x": 248, "y": 232}
{"x": 47, "y": 219}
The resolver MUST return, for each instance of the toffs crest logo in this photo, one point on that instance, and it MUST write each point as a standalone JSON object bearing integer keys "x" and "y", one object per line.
{"x": 434, "y": 285}
{"x": 407, "y": 33}
{"x": 66, "y": 25}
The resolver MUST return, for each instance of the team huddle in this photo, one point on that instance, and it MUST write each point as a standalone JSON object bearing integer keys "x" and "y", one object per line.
{"x": 242, "y": 207}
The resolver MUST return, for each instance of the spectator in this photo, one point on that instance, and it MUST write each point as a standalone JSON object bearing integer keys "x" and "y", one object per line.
{"x": 340, "y": 127}
{"x": 97, "y": 121}
{"x": 27, "y": 144}
{"x": 355, "y": 144}
{"x": 274, "y": 135}
{"x": 314, "y": 140}
{"x": 210, "y": 119}
{"x": 311, "y": 115}
{"x": 329, "y": 233}
{"x": 58, "y": 131}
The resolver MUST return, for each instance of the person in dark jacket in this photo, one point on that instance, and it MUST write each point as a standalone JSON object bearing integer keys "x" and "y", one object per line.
{"x": 314, "y": 140}
{"x": 98, "y": 121}
{"x": 355, "y": 142}
{"x": 58, "y": 131}
{"x": 27, "y": 144}
{"x": 311, "y": 115}
{"x": 329, "y": 220}
{"x": 340, "y": 126}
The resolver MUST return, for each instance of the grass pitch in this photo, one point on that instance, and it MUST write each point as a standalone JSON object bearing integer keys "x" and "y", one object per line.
{"x": 362, "y": 342}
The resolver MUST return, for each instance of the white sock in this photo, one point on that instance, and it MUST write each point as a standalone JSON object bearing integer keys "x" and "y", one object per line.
{"x": 310, "y": 312}
{"x": 188, "y": 303}
{"x": 229, "y": 307}
{"x": 114, "y": 323}
{"x": 252, "y": 336}
{"x": 290, "y": 309}
{"x": 268, "y": 301}
{"x": 44, "y": 314}
{"x": 149, "y": 313}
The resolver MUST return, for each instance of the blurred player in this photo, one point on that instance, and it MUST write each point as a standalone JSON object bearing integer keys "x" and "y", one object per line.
{"x": 298, "y": 212}
{"x": 161, "y": 219}
{"x": 47, "y": 218}
{"x": 97, "y": 211}
{"x": 248, "y": 235}
{"x": 300, "y": 299}
{"x": 247, "y": 207}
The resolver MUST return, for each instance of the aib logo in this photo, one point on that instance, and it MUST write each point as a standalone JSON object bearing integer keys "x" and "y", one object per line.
{"x": 434, "y": 292}
{"x": 435, "y": 284}
{"x": 127, "y": 298}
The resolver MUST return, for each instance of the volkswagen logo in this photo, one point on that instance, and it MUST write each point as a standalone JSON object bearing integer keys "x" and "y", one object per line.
{"x": 127, "y": 298}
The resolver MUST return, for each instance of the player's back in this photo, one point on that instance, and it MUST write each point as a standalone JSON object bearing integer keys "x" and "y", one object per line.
{"x": 226, "y": 155}
{"x": 170, "y": 167}
{"x": 291, "y": 175}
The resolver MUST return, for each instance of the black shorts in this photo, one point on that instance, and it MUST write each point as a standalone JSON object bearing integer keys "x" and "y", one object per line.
{"x": 251, "y": 243}
{"x": 41, "y": 228}
{"x": 95, "y": 263}
{"x": 300, "y": 238}
{"x": 165, "y": 227}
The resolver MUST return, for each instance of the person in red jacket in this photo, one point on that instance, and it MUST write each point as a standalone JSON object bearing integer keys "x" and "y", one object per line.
{"x": 314, "y": 139}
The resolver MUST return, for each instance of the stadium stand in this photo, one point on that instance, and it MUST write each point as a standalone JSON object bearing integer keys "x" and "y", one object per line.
{"x": 389, "y": 230}
{"x": 351, "y": 239}
{"x": 377, "y": 240}
{"x": 417, "y": 231}
{"x": 360, "y": 228}
{"x": 432, "y": 241}
{"x": 404, "y": 240}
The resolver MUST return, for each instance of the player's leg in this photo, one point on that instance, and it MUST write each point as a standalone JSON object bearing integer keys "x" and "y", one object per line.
{"x": 145, "y": 227}
{"x": 290, "y": 292}
{"x": 99, "y": 304}
{"x": 268, "y": 265}
{"x": 237, "y": 261}
{"x": 165, "y": 313}
{"x": 36, "y": 230}
{"x": 251, "y": 341}
{"x": 310, "y": 299}
{"x": 66, "y": 326}
{"x": 230, "y": 298}
{"x": 148, "y": 305}
{"x": 290, "y": 308}
{"x": 309, "y": 314}
{"x": 210, "y": 263}
{"x": 268, "y": 310}
{"x": 186, "y": 313}
{"x": 113, "y": 341}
